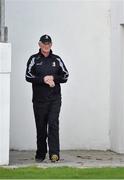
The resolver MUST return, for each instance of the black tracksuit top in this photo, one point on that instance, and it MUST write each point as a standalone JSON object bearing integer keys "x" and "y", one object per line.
{"x": 39, "y": 66}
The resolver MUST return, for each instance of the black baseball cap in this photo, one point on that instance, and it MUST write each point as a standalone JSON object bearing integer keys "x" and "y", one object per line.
{"x": 45, "y": 38}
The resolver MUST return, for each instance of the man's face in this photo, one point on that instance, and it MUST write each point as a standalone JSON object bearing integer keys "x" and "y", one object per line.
{"x": 45, "y": 46}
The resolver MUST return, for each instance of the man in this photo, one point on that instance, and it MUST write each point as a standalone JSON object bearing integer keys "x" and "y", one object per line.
{"x": 46, "y": 71}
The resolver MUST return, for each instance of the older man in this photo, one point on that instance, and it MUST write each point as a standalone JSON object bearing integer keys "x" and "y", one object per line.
{"x": 46, "y": 71}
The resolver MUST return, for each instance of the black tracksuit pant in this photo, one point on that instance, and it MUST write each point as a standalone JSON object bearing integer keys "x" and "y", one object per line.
{"x": 47, "y": 125}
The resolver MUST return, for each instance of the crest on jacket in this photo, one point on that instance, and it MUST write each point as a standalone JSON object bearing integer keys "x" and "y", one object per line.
{"x": 54, "y": 64}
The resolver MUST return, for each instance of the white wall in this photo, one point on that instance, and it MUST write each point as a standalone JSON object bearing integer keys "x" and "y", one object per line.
{"x": 117, "y": 77}
{"x": 81, "y": 34}
{"x": 5, "y": 70}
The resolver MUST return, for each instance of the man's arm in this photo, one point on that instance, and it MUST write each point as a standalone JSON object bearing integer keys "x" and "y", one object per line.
{"x": 63, "y": 73}
{"x": 30, "y": 72}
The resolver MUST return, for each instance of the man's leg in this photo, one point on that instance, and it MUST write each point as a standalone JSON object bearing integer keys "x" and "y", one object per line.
{"x": 53, "y": 127}
{"x": 40, "y": 114}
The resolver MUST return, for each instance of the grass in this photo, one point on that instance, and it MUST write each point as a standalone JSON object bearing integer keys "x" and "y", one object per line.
{"x": 61, "y": 173}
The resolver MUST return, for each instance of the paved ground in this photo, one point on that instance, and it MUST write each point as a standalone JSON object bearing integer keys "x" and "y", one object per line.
{"x": 73, "y": 158}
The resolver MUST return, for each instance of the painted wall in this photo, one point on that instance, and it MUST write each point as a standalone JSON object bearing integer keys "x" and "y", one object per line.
{"x": 117, "y": 77}
{"x": 5, "y": 70}
{"x": 81, "y": 35}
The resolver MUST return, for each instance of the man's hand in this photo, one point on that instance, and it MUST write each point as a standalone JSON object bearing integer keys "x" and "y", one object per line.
{"x": 49, "y": 80}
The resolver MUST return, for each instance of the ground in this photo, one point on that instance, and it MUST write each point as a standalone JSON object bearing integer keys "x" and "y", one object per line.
{"x": 71, "y": 158}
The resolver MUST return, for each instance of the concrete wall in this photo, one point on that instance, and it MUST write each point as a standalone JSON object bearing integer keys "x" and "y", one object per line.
{"x": 81, "y": 34}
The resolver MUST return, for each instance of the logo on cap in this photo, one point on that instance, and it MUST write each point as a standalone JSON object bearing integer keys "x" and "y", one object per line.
{"x": 46, "y": 37}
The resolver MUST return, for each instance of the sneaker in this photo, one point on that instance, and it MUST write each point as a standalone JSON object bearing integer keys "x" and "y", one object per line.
{"x": 39, "y": 159}
{"x": 54, "y": 158}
